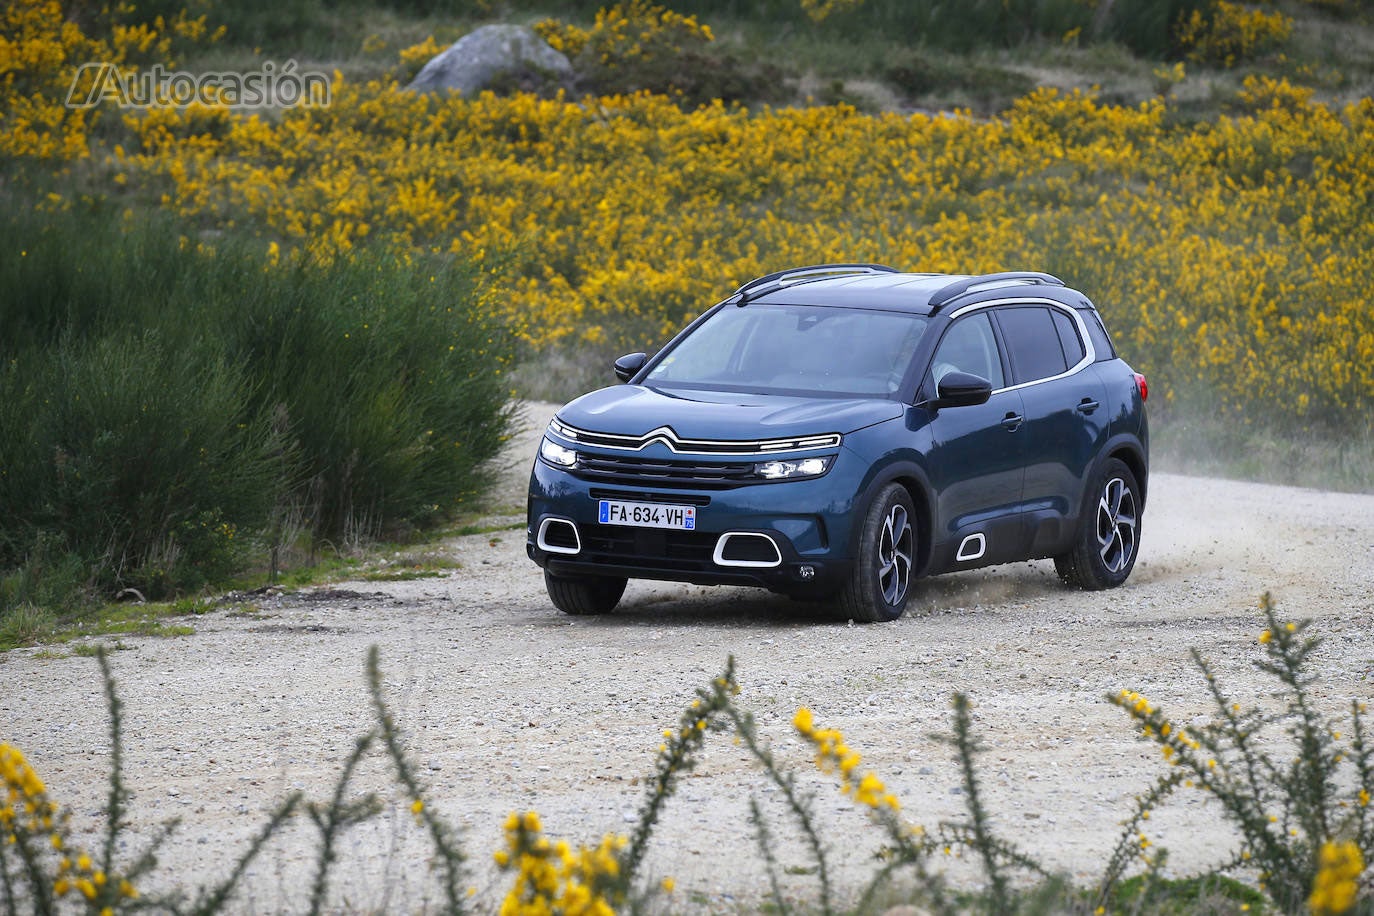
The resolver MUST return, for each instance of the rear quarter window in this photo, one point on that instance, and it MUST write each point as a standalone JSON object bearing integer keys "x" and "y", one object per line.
{"x": 1068, "y": 337}
{"x": 1097, "y": 333}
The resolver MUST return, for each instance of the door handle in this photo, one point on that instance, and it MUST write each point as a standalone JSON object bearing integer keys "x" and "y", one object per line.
{"x": 1087, "y": 405}
{"x": 1012, "y": 422}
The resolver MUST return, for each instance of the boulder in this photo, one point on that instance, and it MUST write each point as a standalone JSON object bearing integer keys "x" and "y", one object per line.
{"x": 472, "y": 62}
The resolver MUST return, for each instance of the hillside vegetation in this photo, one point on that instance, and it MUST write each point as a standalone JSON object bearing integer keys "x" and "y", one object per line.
{"x": 1216, "y": 208}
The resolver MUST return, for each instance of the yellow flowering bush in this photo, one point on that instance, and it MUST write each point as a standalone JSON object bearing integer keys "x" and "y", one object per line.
{"x": 416, "y": 56}
{"x": 1227, "y": 33}
{"x": 633, "y": 29}
{"x": 562, "y": 36}
{"x": 1310, "y": 853}
{"x": 1302, "y": 814}
{"x": 1230, "y": 257}
{"x": 820, "y": 10}
{"x": 33, "y": 830}
{"x": 834, "y": 756}
{"x": 46, "y": 60}
{"x": 1338, "y": 881}
{"x": 551, "y": 879}
{"x": 635, "y": 45}
{"x": 39, "y": 53}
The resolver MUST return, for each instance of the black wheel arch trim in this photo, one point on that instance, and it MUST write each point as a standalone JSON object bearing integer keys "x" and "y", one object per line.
{"x": 1129, "y": 450}
{"x": 913, "y": 479}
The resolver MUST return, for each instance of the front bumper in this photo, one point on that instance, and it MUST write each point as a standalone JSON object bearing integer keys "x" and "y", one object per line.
{"x": 756, "y": 535}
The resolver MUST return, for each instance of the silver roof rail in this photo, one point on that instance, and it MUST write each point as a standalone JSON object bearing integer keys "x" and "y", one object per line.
{"x": 775, "y": 281}
{"x": 947, "y": 294}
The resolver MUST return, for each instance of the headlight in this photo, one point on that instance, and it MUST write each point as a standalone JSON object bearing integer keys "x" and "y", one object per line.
{"x": 557, "y": 455}
{"x": 789, "y": 470}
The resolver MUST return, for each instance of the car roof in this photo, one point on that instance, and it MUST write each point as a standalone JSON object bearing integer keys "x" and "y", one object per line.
{"x": 913, "y": 292}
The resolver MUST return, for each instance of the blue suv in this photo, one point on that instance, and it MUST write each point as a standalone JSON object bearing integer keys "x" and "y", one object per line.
{"x": 837, "y": 431}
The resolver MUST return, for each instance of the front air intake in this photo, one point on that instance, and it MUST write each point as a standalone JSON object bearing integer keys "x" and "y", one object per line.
{"x": 748, "y": 549}
{"x": 558, "y": 535}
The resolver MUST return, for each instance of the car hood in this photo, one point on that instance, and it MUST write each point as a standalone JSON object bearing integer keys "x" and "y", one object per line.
{"x": 633, "y": 410}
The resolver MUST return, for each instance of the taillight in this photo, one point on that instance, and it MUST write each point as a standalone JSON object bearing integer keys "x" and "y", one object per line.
{"x": 1144, "y": 388}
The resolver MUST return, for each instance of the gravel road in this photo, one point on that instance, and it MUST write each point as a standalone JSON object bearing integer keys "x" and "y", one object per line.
{"x": 508, "y": 704}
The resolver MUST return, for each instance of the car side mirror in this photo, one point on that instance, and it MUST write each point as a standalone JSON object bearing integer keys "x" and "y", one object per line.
{"x": 629, "y": 364}
{"x": 961, "y": 389}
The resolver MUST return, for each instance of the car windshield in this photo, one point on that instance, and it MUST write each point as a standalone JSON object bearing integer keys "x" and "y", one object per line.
{"x": 790, "y": 349}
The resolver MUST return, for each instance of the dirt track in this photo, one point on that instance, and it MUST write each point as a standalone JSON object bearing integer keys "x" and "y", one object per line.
{"x": 508, "y": 704}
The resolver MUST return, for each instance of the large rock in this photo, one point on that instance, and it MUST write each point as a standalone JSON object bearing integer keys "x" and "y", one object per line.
{"x": 472, "y": 62}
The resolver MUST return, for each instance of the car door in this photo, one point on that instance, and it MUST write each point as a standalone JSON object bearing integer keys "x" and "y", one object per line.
{"x": 1067, "y": 416}
{"x": 977, "y": 453}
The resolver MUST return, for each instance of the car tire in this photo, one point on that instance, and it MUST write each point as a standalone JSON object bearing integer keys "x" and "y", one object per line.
{"x": 584, "y": 594}
{"x": 880, "y": 581}
{"x": 1108, "y": 538}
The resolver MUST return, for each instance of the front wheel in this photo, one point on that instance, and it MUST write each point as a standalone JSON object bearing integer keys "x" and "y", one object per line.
{"x": 879, "y": 583}
{"x": 584, "y": 594}
{"x": 1108, "y": 538}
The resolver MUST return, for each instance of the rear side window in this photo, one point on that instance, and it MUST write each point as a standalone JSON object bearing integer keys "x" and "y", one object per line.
{"x": 1069, "y": 340}
{"x": 1032, "y": 343}
{"x": 1098, "y": 335}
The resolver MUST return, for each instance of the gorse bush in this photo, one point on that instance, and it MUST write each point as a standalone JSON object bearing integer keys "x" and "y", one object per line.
{"x": 1144, "y": 25}
{"x": 168, "y": 403}
{"x": 1303, "y": 813}
{"x": 1230, "y": 256}
{"x": 1304, "y": 827}
{"x": 636, "y": 46}
{"x": 1229, "y": 32}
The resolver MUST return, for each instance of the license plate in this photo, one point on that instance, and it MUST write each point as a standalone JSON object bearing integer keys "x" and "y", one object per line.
{"x": 647, "y": 515}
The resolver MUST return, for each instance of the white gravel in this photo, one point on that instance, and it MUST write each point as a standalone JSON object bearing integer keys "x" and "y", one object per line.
{"x": 508, "y": 704}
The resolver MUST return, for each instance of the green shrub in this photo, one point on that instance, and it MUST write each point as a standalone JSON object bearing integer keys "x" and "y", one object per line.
{"x": 168, "y": 404}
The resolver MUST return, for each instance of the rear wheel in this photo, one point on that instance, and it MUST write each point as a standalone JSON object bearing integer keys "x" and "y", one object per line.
{"x": 880, "y": 581}
{"x": 1108, "y": 537}
{"x": 584, "y": 594}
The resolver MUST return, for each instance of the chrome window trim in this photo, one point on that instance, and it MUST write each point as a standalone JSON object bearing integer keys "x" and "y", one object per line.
{"x": 1090, "y": 354}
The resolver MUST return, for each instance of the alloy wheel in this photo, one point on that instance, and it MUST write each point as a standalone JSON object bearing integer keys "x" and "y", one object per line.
{"x": 894, "y": 555}
{"x": 1116, "y": 525}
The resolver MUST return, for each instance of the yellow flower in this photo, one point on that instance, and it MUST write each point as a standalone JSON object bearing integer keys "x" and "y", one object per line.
{"x": 1337, "y": 882}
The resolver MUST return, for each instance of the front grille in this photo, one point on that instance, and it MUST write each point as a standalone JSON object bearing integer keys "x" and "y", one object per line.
{"x": 682, "y": 446}
{"x": 680, "y": 550}
{"x": 659, "y": 473}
